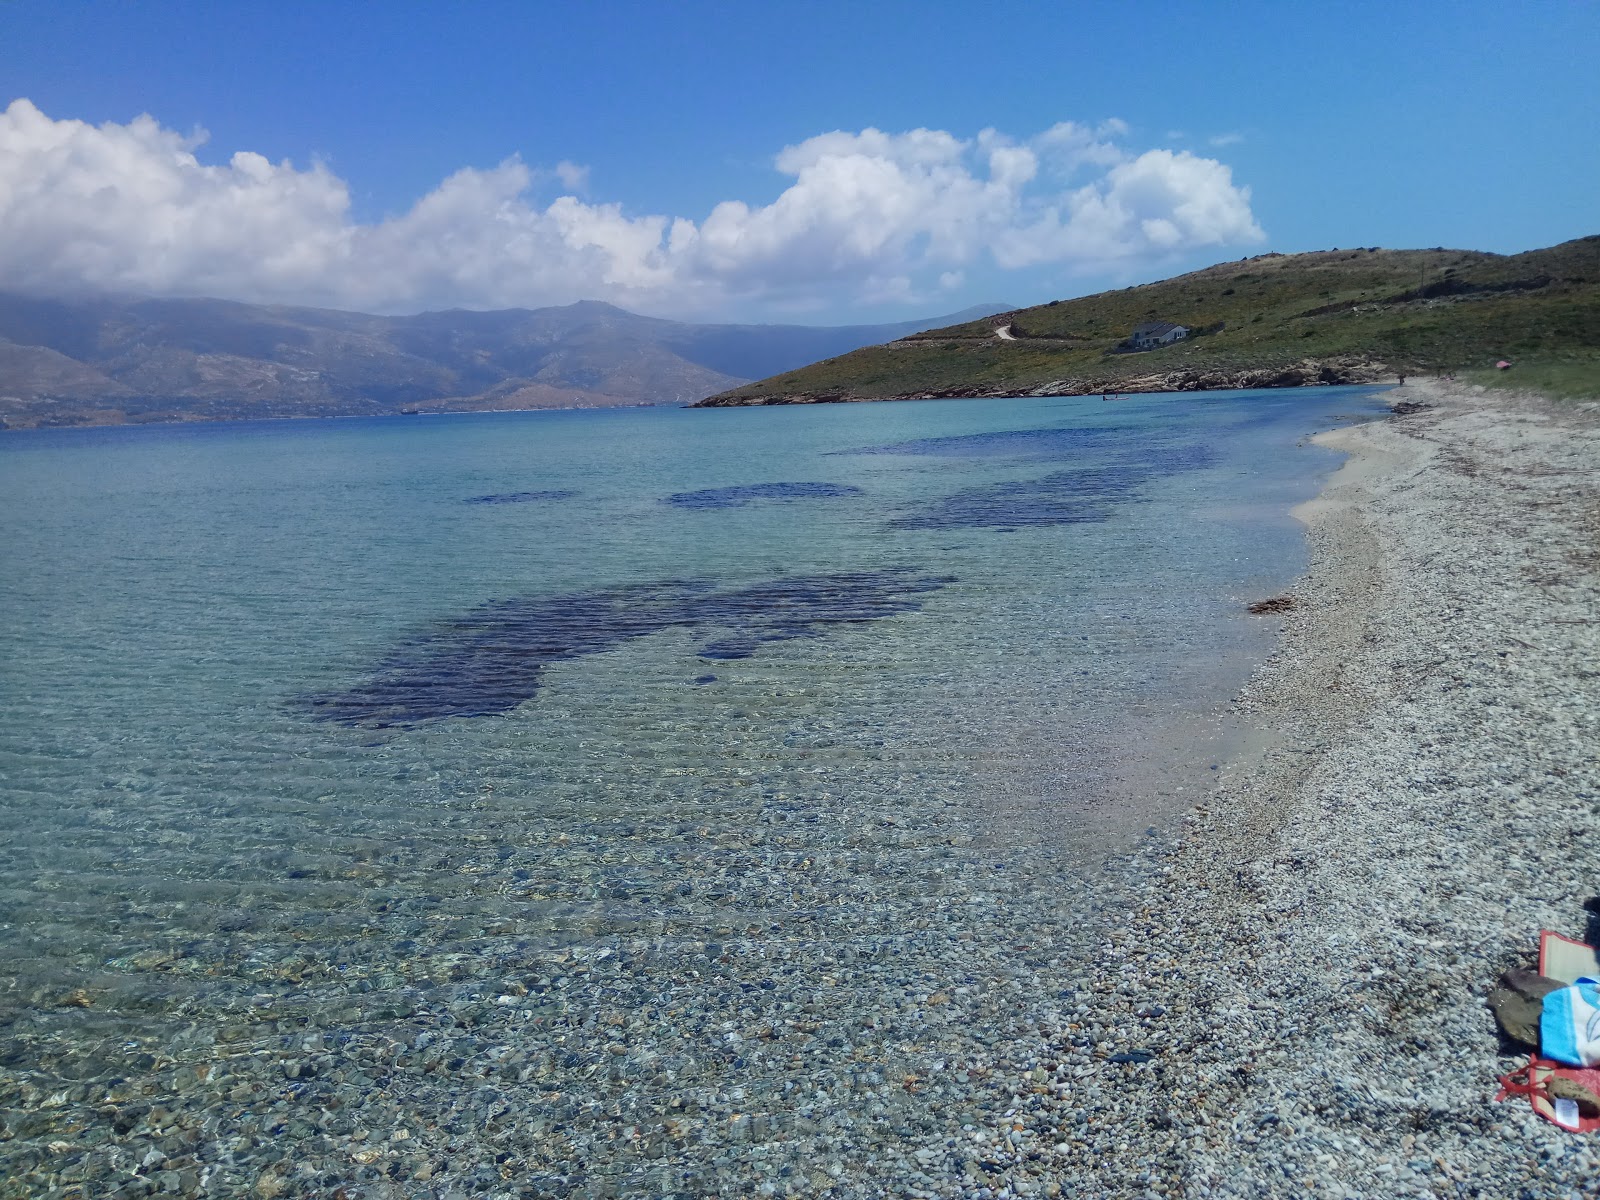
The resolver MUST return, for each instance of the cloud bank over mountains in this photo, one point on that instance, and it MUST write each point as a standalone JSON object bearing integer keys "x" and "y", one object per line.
{"x": 865, "y": 217}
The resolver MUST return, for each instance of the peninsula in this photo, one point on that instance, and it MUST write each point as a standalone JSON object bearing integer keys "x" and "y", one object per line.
{"x": 1356, "y": 315}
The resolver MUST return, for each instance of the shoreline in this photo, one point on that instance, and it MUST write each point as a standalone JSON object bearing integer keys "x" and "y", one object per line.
{"x": 429, "y": 412}
{"x": 1378, "y": 377}
{"x": 1308, "y": 956}
{"x": 1341, "y": 371}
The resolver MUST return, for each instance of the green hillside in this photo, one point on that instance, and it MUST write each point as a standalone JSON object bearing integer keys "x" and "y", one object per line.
{"x": 1354, "y": 315}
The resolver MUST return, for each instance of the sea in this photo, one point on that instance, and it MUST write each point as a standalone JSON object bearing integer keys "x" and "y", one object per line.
{"x": 610, "y": 802}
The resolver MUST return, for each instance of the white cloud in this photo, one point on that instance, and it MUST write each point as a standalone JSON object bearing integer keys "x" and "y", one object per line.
{"x": 1161, "y": 202}
{"x": 1225, "y": 139}
{"x": 128, "y": 206}
{"x": 868, "y": 216}
{"x": 573, "y": 177}
{"x": 1069, "y": 147}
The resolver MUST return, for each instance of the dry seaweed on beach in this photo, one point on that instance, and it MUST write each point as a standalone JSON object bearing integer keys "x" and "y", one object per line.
{"x": 1406, "y": 408}
{"x": 1276, "y": 604}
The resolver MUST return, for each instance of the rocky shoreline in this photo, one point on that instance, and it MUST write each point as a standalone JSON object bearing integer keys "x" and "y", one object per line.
{"x": 1309, "y": 372}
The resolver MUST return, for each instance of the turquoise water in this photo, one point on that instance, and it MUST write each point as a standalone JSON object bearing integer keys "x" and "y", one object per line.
{"x": 584, "y": 741}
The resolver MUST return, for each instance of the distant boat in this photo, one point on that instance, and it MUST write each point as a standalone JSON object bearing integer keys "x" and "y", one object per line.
{"x": 410, "y": 412}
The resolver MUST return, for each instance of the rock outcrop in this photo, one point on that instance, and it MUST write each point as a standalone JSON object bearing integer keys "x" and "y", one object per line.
{"x": 1305, "y": 373}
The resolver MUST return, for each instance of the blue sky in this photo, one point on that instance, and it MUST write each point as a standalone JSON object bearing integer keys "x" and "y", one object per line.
{"x": 1124, "y": 143}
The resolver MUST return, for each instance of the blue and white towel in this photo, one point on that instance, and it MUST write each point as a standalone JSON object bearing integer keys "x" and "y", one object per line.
{"x": 1569, "y": 1026}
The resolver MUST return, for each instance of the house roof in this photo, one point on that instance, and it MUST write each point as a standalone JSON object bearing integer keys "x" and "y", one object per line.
{"x": 1154, "y": 328}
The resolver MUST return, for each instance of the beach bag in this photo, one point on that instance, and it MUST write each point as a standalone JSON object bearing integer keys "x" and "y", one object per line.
{"x": 1543, "y": 1083}
{"x": 1569, "y": 1026}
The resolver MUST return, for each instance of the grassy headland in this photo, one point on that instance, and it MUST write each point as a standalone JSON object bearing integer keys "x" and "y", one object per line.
{"x": 1561, "y": 379}
{"x": 1275, "y": 320}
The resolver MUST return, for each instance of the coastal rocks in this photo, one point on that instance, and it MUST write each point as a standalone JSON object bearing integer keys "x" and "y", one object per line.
{"x": 1309, "y": 372}
{"x": 1304, "y": 373}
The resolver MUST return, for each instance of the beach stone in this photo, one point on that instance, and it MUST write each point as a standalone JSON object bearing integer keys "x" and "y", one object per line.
{"x": 1518, "y": 1003}
{"x": 1530, "y": 983}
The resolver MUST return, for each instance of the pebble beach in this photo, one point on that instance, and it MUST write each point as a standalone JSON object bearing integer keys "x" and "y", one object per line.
{"x": 1323, "y": 937}
{"x": 1279, "y": 994}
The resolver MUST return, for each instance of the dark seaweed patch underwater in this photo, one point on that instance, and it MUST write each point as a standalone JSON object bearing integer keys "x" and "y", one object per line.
{"x": 521, "y": 497}
{"x": 736, "y": 497}
{"x": 1088, "y": 493}
{"x": 489, "y": 660}
{"x": 1019, "y": 445}
{"x": 1116, "y": 464}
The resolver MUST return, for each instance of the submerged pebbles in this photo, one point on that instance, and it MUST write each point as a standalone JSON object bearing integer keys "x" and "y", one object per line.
{"x": 1283, "y": 998}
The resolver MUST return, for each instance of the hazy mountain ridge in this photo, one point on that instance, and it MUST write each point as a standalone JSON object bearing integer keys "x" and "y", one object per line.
{"x": 1275, "y": 320}
{"x": 113, "y": 360}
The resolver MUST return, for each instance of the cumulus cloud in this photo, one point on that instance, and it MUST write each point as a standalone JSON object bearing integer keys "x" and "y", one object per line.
{"x": 573, "y": 177}
{"x": 870, "y": 216}
{"x": 1070, "y": 146}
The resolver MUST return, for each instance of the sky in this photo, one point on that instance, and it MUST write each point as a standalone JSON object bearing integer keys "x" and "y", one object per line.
{"x": 823, "y": 163}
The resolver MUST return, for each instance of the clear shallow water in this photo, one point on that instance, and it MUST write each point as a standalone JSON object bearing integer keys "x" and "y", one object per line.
{"x": 593, "y": 772}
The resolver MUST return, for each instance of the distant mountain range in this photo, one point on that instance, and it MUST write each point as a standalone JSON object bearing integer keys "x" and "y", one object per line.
{"x": 109, "y": 360}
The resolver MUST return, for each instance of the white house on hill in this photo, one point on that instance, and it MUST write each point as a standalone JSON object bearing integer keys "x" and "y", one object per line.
{"x": 1157, "y": 333}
